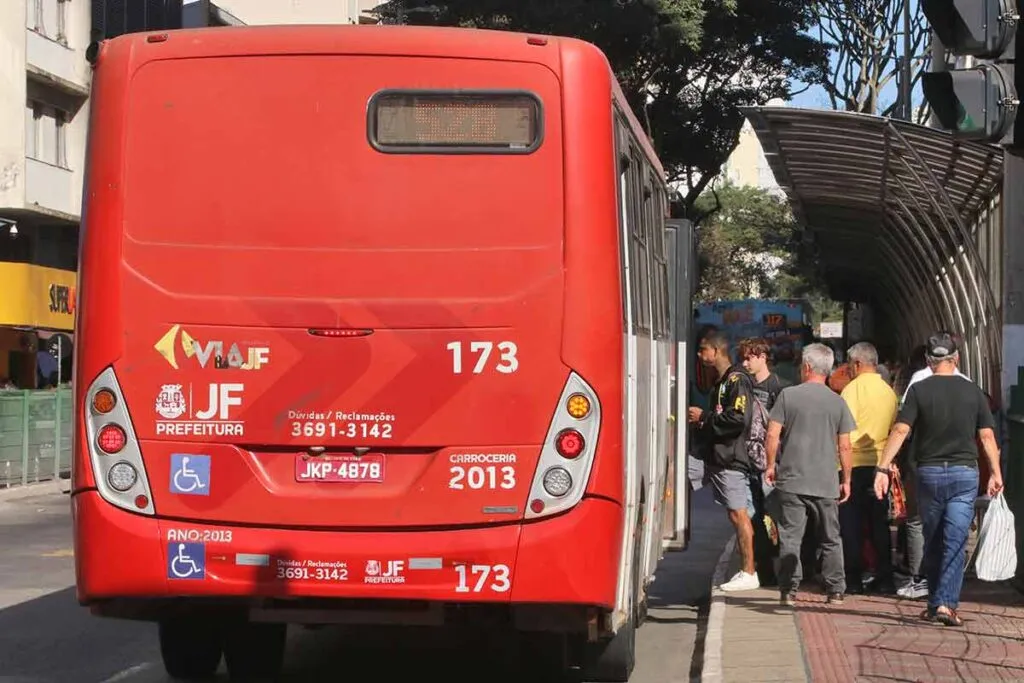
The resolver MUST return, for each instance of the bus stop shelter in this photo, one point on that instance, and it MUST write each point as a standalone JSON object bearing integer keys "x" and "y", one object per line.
{"x": 900, "y": 217}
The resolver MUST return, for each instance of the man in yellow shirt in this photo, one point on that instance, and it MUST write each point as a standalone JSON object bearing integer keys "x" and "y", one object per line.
{"x": 874, "y": 405}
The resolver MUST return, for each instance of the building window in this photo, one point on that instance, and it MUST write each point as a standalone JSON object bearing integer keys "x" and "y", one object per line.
{"x": 62, "y": 21}
{"x": 49, "y": 18}
{"x": 46, "y": 134}
{"x": 31, "y": 130}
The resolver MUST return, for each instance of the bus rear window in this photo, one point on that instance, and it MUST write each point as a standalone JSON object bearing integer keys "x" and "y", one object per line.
{"x": 455, "y": 122}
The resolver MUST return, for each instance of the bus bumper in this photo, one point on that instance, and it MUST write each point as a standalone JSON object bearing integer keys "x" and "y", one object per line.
{"x": 568, "y": 559}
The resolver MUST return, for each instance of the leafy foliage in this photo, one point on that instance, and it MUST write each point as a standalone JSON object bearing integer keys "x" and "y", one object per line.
{"x": 749, "y": 247}
{"x": 686, "y": 66}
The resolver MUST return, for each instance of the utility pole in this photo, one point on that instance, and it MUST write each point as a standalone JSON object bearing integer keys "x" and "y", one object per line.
{"x": 906, "y": 87}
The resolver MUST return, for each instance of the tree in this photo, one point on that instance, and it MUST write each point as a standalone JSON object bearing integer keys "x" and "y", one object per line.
{"x": 749, "y": 248}
{"x": 686, "y": 66}
{"x": 868, "y": 39}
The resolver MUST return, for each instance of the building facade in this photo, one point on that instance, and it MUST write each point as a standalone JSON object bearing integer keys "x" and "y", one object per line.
{"x": 44, "y": 90}
{"x": 241, "y": 12}
{"x": 748, "y": 166}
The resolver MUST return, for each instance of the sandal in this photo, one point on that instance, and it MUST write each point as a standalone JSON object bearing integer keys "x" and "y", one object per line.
{"x": 928, "y": 614}
{"x": 948, "y": 618}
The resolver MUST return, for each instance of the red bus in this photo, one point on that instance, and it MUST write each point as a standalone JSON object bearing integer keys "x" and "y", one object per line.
{"x": 374, "y": 328}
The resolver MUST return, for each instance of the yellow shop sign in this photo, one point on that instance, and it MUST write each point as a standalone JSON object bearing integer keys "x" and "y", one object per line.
{"x": 34, "y": 296}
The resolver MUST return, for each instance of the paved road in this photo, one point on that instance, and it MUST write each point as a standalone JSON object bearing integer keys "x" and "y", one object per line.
{"x": 45, "y": 637}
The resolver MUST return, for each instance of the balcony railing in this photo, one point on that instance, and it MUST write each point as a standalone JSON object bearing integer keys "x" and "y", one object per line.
{"x": 51, "y": 187}
{"x": 56, "y": 60}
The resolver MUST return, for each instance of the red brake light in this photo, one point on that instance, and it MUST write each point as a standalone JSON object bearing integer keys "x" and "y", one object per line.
{"x": 111, "y": 439}
{"x": 569, "y": 443}
{"x": 338, "y": 332}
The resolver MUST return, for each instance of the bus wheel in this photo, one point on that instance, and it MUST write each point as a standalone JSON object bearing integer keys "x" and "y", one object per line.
{"x": 546, "y": 653}
{"x": 190, "y": 648}
{"x": 612, "y": 661}
{"x": 255, "y": 652}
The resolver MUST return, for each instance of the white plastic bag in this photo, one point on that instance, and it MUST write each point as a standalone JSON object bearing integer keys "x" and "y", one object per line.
{"x": 996, "y": 556}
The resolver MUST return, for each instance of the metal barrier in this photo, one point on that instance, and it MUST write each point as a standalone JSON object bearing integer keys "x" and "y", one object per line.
{"x": 35, "y": 436}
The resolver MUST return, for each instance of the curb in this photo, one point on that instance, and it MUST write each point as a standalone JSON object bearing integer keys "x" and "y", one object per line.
{"x": 45, "y": 488}
{"x": 711, "y": 671}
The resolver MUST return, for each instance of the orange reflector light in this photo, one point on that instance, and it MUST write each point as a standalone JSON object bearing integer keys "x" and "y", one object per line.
{"x": 141, "y": 502}
{"x": 111, "y": 439}
{"x": 537, "y": 505}
{"x": 103, "y": 402}
{"x": 578, "y": 406}
{"x": 569, "y": 443}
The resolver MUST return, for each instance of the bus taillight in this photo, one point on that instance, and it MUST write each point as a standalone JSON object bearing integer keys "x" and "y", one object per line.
{"x": 578, "y": 406}
{"x": 569, "y": 443}
{"x": 114, "y": 450}
{"x": 111, "y": 439}
{"x": 568, "y": 453}
{"x": 557, "y": 482}
{"x": 122, "y": 476}
{"x": 104, "y": 401}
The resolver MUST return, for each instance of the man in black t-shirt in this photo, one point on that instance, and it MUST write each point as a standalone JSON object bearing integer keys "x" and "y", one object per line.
{"x": 949, "y": 416}
{"x": 753, "y": 354}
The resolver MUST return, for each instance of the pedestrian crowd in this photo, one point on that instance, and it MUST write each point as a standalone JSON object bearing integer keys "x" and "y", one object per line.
{"x": 814, "y": 474}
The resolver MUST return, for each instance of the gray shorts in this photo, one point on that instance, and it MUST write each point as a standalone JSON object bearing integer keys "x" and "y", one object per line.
{"x": 732, "y": 489}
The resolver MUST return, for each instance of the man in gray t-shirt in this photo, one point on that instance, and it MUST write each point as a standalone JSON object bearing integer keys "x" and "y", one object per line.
{"x": 808, "y": 425}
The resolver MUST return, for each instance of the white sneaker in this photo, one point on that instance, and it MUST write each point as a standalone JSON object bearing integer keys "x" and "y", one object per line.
{"x": 914, "y": 590}
{"x": 741, "y": 582}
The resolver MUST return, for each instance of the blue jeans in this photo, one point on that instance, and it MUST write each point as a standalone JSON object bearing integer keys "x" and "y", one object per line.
{"x": 945, "y": 498}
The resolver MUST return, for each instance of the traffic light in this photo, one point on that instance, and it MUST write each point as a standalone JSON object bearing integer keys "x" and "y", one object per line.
{"x": 980, "y": 102}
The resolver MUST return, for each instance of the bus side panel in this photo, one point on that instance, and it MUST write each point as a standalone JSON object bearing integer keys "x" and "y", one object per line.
{"x": 592, "y": 341}
{"x": 99, "y": 319}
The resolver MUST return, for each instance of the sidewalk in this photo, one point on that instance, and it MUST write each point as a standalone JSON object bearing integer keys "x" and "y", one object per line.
{"x": 869, "y": 638}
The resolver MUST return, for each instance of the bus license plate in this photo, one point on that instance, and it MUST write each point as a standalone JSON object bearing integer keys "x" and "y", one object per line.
{"x": 340, "y": 469}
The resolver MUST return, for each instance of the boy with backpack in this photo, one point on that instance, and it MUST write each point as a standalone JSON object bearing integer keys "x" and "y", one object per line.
{"x": 732, "y": 457}
{"x": 753, "y": 354}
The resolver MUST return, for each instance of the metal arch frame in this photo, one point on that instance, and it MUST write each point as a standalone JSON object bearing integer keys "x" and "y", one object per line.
{"x": 916, "y": 249}
{"x": 982, "y": 291}
{"x": 928, "y": 317}
{"x": 929, "y": 273}
{"x": 920, "y": 224}
{"x": 919, "y": 220}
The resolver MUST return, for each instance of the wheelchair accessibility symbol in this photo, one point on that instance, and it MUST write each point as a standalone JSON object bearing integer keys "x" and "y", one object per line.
{"x": 186, "y": 561}
{"x": 190, "y": 474}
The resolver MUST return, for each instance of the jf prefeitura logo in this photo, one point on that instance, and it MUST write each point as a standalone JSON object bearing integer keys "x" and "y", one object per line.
{"x": 214, "y": 353}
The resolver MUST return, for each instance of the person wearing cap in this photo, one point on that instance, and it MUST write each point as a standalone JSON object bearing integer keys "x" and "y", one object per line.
{"x": 949, "y": 417}
{"x": 926, "y": 371}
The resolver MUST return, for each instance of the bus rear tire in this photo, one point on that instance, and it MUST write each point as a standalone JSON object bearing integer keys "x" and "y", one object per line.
{"x": 612, "y": 661}
{"x": 190, "y": 648}
{"x": 255, "y": 652}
